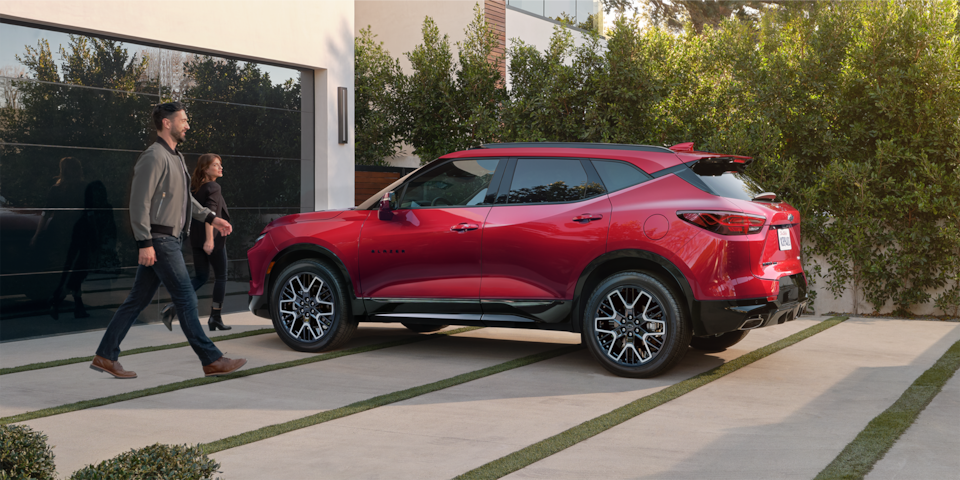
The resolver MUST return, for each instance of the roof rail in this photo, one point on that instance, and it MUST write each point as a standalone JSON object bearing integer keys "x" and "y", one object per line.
{"x": 587, "y": 145}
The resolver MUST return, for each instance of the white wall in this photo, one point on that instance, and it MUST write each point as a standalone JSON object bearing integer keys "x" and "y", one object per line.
{"x": 315, "y": 35}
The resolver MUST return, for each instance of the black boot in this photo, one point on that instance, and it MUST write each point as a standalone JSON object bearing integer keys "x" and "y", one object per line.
{"x": 78, "y": 309}
{"x": 55, "y": 301}
{"x": 167, "y": 314}
{"x": 215, "y": 322}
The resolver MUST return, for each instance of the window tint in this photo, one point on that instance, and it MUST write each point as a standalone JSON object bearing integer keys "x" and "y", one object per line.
{"x": 619, "y": 175}
{"x": 456, "y": 184}
{"x": 725, "y": 181}
{"x": 545, "y": 180}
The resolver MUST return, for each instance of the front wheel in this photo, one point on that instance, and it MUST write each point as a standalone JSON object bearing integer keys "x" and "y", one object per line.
{"x": 634, "y": 325}
{"x": 309, "y": 307}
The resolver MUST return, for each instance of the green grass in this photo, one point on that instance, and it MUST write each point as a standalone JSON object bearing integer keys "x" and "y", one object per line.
{"x": 861, "y": 454}
{"x": 557, "y": 443}
{"x": 133, "y": 351}
{"x": 379, "y": 401}
{"x": 196, "y": 382}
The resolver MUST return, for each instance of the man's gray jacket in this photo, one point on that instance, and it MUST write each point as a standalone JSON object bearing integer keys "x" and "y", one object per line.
{"x": 160, "y": 200}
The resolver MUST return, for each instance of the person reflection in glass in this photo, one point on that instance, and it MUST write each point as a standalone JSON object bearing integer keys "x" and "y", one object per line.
{"x": 64, "y": 203}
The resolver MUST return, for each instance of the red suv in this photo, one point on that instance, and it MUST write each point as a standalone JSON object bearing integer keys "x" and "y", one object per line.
{"x": 643, "y": 250}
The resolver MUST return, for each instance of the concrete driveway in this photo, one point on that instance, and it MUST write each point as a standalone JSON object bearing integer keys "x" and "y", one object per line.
{"x": 787, "y": 415}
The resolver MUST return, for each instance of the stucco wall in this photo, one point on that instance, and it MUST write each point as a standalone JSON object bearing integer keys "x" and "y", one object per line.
{"x": 312, "y": 35}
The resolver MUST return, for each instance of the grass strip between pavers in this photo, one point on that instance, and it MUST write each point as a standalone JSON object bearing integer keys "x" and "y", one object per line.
{"x": 132, "y": 351}
{"x": 196, "y": 382}
{"x": 379, "y": 401}
{"x": 538, "y": 451}
{"x": 860, "y": 455}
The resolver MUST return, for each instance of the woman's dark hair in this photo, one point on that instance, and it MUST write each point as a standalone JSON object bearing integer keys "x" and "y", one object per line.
{"x": 165, "y": 110}
{"x": 70, "y": 170}
{"x": 200, "y": 171}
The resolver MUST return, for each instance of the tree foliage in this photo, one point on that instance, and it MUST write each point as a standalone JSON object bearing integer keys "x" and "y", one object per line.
{"x": 851, "y": 110}
{"x": 375, "y": 115}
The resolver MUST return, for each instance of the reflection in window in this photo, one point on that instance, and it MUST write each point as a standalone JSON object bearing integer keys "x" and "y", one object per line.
{"x": 550, "y": 180}
{"x": 618, "y": 175}
{"x": 458, "y": 183}
{"x": 583, "y": 14}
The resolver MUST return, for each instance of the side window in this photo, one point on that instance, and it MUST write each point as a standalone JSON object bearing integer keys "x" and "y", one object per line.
{"x": 458, "y": 183}
{"x": 619, "y": 175}
{"x": 549, "y": 180}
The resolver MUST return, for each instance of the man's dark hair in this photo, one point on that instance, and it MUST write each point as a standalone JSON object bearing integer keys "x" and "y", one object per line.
{"x": 165, "y": 110}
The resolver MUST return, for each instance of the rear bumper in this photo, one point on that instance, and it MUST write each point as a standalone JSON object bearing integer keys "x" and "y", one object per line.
{"x": 724, "y": 316}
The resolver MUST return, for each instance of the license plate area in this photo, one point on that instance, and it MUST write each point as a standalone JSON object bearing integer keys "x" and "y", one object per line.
{"x": 783, "y": 239}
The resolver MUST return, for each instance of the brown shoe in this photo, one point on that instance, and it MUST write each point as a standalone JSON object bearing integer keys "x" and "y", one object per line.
{"x": 111, "y": 367}
{"x": 223, "y": 367}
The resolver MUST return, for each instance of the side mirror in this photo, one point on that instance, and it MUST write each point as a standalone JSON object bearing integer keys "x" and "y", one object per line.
{"x": 386, "y": 206}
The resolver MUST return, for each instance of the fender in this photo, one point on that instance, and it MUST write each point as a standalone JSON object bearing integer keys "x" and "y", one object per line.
{"x": 300, "y": 251}
{"x": 642, "y": 256}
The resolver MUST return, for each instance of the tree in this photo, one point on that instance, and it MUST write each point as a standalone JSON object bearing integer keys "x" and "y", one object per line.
{"x": 376, "y": 112}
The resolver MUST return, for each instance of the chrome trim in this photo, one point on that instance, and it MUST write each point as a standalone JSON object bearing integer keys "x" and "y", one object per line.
{"x": 523, "y": 303}
{"x": 423, "y": 300}
{"x": 432, "y": 316}
{"x": 487, "y": 317}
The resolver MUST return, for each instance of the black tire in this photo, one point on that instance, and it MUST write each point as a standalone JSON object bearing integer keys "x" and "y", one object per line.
{"x": 421, "y": 328}
{"x": 718, "y": 343}
{"x": 317, "y": 321}
{"x": 610, "y": 327}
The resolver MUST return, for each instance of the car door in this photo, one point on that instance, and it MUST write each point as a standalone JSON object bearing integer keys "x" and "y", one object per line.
{"x": 549, "y": 220}
{"x": 429, "y": 252}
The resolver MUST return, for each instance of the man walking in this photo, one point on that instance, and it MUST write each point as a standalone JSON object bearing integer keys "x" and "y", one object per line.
{"x": 160, "y": 211}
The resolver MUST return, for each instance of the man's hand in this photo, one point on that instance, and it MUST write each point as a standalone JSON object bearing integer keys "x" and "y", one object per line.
{"x": 208, "y": 246}
{"x": 147, "y": 257}
{"x": 222, "y": 226}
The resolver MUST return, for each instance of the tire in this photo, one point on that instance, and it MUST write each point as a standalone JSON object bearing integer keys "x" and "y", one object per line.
{"x": 718, "y": 343}
{"x": 318, "y": 320}
{"x": 421, "y": 328}
{"x": 642, "y": 303}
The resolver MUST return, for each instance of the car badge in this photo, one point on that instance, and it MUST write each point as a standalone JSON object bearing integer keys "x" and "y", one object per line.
{"x": 790, "y": 217}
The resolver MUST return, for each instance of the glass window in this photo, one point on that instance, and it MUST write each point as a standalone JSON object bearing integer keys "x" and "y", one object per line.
{"x": 460, "y": 183}
{"x": 549, "y": 180}
{"x": 619, "y": 175}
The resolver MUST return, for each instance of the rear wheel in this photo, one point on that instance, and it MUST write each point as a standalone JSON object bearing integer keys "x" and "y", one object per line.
{"x": 421, "y": 328}
{"x": 309, "y": 307}
{"x": 634, "y": 326}
{"x": 718, "y": 343}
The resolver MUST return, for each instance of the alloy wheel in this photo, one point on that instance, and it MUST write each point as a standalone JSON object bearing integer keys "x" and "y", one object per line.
{"x": 629, "y": 326}
{"x": 306, "y": 307}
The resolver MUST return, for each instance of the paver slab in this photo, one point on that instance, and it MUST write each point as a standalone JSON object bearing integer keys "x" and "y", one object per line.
{"x": 211, "y": 412}
{"x": 58, "y": 347}
{"x": 445, "y": 433}
{"x": 930, "y": 448}
{"x": 51, "y": 387}
{"x": 785, "y": 416}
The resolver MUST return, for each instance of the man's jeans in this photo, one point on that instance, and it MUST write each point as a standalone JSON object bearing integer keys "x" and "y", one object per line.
{"x": 172, "y": 271}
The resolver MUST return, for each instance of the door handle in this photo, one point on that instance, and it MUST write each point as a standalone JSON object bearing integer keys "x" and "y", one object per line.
{"x": 587, "y": 218}
{"x": 463, "y": 227}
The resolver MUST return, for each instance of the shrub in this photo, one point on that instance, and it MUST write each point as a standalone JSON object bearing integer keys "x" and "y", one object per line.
{"x": 24, "y": 453}
{"x": 154, "y": 462}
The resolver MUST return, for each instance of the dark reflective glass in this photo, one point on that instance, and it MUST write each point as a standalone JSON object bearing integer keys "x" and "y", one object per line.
{"x": 30, "y": 173}
{"x": 537, "y": 180}
{"x": 57, "y": 114}
{"x": 619, "y": 175}
{"x": 454, "y": 184}
{"x": 242, "y": 130}
{"x": 76, "y": 59}
{"x": 256, "y": 182}
{"x": 235, "y": 81}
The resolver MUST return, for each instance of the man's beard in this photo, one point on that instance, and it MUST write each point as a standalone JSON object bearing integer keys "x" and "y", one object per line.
{"x": 179, "y": 137}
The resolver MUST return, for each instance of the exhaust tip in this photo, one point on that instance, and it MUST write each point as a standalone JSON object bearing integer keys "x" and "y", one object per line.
{"x": 752, "y": 323}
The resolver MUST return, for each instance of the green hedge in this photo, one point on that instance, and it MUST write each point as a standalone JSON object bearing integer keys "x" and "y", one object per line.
{"x": 851, "y": 110}
{"x": 24, "y": 454}
{"x": 153, "y": 463}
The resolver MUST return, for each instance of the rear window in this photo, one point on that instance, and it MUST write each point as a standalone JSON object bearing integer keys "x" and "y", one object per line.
{"x": 730, "y": 183}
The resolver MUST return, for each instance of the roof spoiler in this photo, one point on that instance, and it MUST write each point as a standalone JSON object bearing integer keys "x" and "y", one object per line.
{"x": 710, "y": 158}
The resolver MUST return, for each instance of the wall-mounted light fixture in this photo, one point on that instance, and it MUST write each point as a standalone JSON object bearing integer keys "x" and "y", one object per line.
{"x": 342, "y": 114}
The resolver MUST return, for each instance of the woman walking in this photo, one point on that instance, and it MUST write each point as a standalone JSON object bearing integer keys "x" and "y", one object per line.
{"x": 207, "y": 243}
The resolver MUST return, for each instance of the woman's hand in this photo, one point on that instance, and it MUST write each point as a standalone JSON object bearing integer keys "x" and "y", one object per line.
{"x": 208, "y": 246}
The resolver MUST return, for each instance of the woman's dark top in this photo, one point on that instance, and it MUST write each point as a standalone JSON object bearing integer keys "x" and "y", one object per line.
{"x": 209, "y": 196}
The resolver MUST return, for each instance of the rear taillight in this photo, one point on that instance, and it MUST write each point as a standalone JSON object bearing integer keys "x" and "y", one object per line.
{"x": 725, "y": 223}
